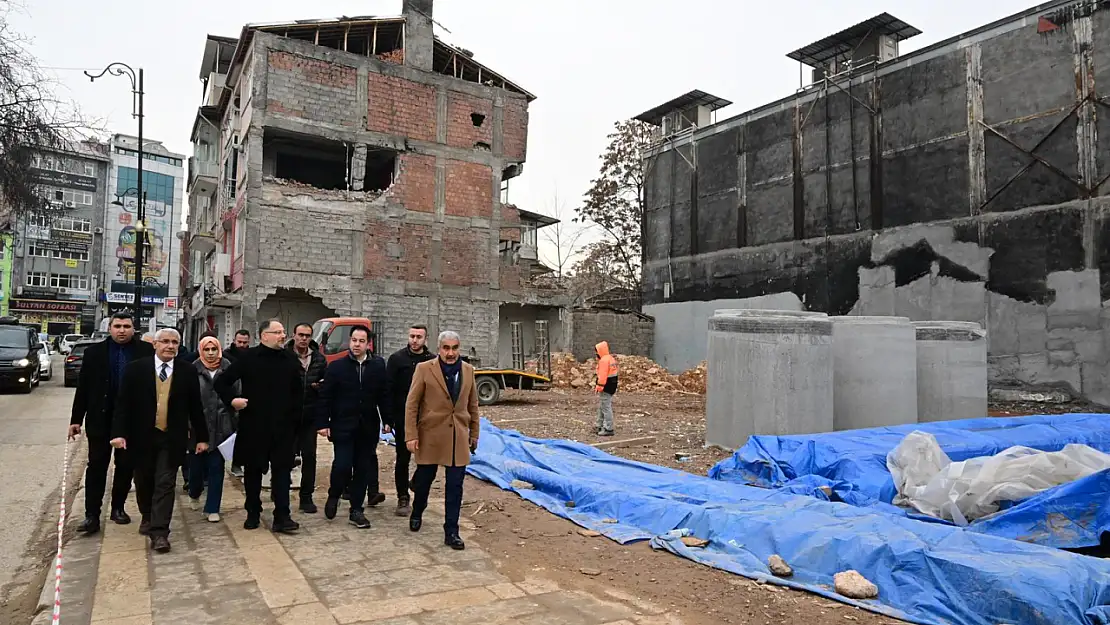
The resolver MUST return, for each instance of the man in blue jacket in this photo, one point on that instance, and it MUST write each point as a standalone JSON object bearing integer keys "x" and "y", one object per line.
{"x": 352, "y": 399}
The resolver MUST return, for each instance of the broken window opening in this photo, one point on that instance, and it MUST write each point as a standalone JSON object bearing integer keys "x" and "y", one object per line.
{"x": 381, "y": 168}
{"x": 365, "y": 38}
{"x": 482, "y": 145}
{"x": 477, "y": 119}
{"x": 311, "y": 161}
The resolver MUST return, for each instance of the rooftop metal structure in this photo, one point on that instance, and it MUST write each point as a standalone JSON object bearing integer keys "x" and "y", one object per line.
{"x": 846, "y": 41}
{"x": 696, "y": 97}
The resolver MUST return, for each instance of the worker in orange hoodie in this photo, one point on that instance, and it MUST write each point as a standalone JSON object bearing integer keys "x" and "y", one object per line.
{"x": 606, "y": 387}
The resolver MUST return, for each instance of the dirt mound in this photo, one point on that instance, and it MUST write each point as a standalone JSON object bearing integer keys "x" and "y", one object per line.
{"x": 637, "y": 375}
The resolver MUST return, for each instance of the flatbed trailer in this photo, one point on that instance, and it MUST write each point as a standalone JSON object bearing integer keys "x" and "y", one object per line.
{"x": 490, "y": 383}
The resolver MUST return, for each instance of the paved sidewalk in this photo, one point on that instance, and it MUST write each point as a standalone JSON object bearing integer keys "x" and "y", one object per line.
{"x": 328, "y": 573}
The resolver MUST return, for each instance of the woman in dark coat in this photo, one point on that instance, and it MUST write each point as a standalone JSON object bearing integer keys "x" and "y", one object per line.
{"x": 222, "y": 423}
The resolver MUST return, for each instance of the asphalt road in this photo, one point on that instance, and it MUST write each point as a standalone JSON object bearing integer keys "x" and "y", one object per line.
{"x": 32, "y": 447}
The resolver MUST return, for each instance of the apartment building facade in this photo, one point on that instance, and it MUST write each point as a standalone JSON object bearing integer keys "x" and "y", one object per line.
{"x": 358, "y": 166}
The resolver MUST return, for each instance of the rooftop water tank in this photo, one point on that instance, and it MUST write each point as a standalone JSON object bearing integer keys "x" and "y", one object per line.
{"x": 951, "y": 370}
{"x": 770, "y": 372}
{"x": 874, "y": 372}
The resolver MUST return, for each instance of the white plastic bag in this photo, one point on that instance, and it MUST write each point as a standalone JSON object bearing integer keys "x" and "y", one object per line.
{"x": 964, "y": 491}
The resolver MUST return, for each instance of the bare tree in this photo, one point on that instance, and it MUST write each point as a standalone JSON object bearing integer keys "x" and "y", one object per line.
{"x": 563, "y": 238}
{"x": 615, "y": 200}
{"x": 32, "y": 119}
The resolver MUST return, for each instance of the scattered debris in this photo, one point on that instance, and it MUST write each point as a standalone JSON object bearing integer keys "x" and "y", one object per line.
{"x": 522, "y": 485}
{"x": 779, "y": 567}
{"x": 1046, "y": 396}
{"x": 588, "y": 533}
{"x": 682, "y": 456}
{"x": 589, "y": 571}
{"x": 638, "y": 375}
{"x": 570, "y": 504}
{"x": 854, "y": 586}
{"x": 694, "y": 541}
{"x": 610, "y": 521}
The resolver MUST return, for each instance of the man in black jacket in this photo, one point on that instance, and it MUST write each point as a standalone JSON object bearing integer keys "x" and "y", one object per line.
{"x": 269, "y": 408}
{"x": 352, "y": 400}
{"x": 399, "y": 370}
{"x": 240, "y": 346}
{"x": 97, "y": 385}
{"x": 313, "y": 366}
{"x": 159, "y": 401}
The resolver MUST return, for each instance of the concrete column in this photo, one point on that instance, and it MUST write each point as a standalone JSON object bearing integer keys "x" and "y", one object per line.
{"x": 358, "y": 167}
{"x": 976, "y": 152}
{"x": 418, "y": 34}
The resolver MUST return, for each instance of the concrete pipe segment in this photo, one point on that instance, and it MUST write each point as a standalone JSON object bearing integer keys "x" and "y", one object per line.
{"x": 874, "y": 372}
{"x": 951, "y": 370}
{"x": 770, "y": 372}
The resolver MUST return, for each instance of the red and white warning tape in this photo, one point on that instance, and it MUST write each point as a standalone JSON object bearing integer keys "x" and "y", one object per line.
{"x": 61, "y": 531}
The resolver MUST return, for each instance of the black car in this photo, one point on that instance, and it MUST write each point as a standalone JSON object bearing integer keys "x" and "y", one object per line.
{"x": 72, "y": 368}
{"x": 19, "y": 357}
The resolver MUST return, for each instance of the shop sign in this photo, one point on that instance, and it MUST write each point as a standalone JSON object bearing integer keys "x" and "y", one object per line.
{"x": 45, "y": 306}
{"x": 65, "y": 179}
{"x": 61, "y": 246}
{"x": 44, "y": 292}
{"x": 71, "y": 237}
{"x": 129, "y": 298}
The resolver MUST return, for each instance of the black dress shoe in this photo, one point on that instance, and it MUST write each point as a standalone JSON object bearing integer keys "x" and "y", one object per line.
{"x": 89, "y": 526}
{"x": 161, "y": 544}
{"x": 144, "y": 526}
{"x": 415, "y": 523}
{"x": 252, "y": 522}
{"x": 331, "y": 508}
{"x": 453, "y": 541}
{"x": 308, "y": 507}
{"x": 120, "y": 517}
{"x": 376, "y": 499}
{"x": 285, "y": 525}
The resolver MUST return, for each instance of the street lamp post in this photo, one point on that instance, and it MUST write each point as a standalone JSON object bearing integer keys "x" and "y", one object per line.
{"x": 122, "y": 69}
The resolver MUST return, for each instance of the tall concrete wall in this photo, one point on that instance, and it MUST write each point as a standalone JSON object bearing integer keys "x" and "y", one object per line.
{"x": 904, "y": 194}
{"x": 627, "y": 332}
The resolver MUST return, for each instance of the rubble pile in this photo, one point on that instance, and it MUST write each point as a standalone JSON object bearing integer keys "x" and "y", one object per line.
{"x": 637, "y": 375}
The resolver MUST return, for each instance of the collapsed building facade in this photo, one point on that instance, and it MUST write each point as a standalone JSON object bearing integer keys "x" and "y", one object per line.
{"x": 964, "y": 181}
{"x": 358, "y": 167}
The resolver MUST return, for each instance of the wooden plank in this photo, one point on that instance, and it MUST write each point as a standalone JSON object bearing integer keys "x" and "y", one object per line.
{"x": 520, "y": 420}
{"x": 643, "y": 440}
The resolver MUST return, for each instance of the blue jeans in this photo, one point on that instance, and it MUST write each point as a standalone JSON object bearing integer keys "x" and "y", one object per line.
{"x": 210, "y": 464}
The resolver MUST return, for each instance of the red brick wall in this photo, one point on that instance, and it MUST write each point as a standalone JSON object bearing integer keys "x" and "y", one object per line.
{"x": 466, "y": 257}
{"x": 415, "y": 186}
{"x": 401, "y": 107}
{"x": 417, "y": 242}
{"x": 377, "y": 262}
{"x": 515, "y": 128}
{"x": 461, "y": 131}
{"x": 469, "y": 189}
{"x": 314, "y": 70}
{"x": 509, "y": 217}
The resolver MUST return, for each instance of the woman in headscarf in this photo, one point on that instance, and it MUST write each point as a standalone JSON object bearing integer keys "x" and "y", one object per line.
{"x": 222, "y": 423}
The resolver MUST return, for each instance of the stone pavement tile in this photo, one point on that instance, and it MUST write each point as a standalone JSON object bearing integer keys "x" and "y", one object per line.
{"x": 642, "y": 605}
{"x": 432, "y": 579}
{"x": 122, "y": 571}
{"x": 401, "y": 620}
{"x": 306, "y": 614}
{"x": 583, "y": 608}
{"x": 537, "y": 585}
{"x": 406, "y": 606}
{"x": 506, "y": 591}
{"x": 359, "y": 588}
{"x": 661, "y": 619}
{"x": 118, "y": 604}
{"x": 496, "y": 613}
{"x": 286, "y": 592}
{"x": 129, "y": 620}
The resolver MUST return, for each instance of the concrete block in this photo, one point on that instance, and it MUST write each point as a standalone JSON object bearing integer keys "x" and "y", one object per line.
{"x": 874, "y": 372}
{"x": 951, "y": 370}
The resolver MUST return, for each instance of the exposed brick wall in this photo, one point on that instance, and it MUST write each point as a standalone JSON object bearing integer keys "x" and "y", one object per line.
{"x": 379, "y": 258}
{"x": 509, "y": 217}
{"x": 461, "y": 131}
{"x": 476, "y": 323}
{"x": 515, "y": 128}
{"x": 627, "y": 333}
{"x": 416, "y": 242}
{"x": 466, "y": 257}
{"x": 311, "y": 89}
{"x": 401, "y": 107}
{"x": 299, "y": 240}
{"x": 415, "y": 186}
{"x": 469, "y": 189}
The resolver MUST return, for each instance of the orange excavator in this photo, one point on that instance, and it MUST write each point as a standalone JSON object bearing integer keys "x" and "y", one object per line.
{"x": 333, "y": 333}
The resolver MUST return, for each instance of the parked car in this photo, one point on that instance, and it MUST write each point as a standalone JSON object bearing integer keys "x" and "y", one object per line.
{"x": 68, "y": 341}
{"x": 71, "y": 370}
{"x": 19, "y": 358}
{"x": 46, "y": 361}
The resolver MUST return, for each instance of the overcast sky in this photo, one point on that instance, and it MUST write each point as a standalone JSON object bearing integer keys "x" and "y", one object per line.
{"x": 589, "y": 63}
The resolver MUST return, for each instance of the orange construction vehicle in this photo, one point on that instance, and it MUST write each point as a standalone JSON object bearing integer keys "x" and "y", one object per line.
{"x": 333, "y": 334}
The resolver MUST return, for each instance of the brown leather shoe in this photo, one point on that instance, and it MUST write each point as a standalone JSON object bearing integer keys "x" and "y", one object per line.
{"x": 161, "y": 544}
{"x": 144, "y": 526}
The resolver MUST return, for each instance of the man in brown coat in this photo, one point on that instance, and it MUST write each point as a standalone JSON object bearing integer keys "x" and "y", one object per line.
{"x": 441, "y": 429}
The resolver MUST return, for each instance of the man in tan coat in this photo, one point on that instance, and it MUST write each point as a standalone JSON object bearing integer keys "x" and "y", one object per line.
{"x": 441, "y": 429}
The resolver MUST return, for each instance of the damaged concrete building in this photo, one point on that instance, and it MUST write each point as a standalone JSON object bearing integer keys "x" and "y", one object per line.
{"x": 360, "y": 166}
{"x": 966, "y": 180}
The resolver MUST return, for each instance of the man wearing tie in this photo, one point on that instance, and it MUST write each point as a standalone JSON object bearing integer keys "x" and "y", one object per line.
{"x": 159, "y": 400}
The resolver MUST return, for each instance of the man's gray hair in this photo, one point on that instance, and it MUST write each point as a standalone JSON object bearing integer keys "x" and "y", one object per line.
{"x": 448, "y": 335}
{"x": 158, "y": 335}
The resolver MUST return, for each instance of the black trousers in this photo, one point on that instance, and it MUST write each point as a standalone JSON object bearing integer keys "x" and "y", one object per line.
{"x": 280, "y": 481}
{"x": 422, "y": 485}
{"x": 96, "y": 476}
{"x": 401, "y": 470}
{"x": 155, "y": 482}
{"x": 355, "y": 462}
{"x": 306, "y": 445}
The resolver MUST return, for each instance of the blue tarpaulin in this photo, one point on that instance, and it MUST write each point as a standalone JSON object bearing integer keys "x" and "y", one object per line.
{"x": 852, "y": 466}
{"x": 925, "y": 572}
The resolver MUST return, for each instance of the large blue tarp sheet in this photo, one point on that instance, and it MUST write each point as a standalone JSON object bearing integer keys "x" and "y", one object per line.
{"x": 851, "y": 465}
{"x": 926, "y": 572}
